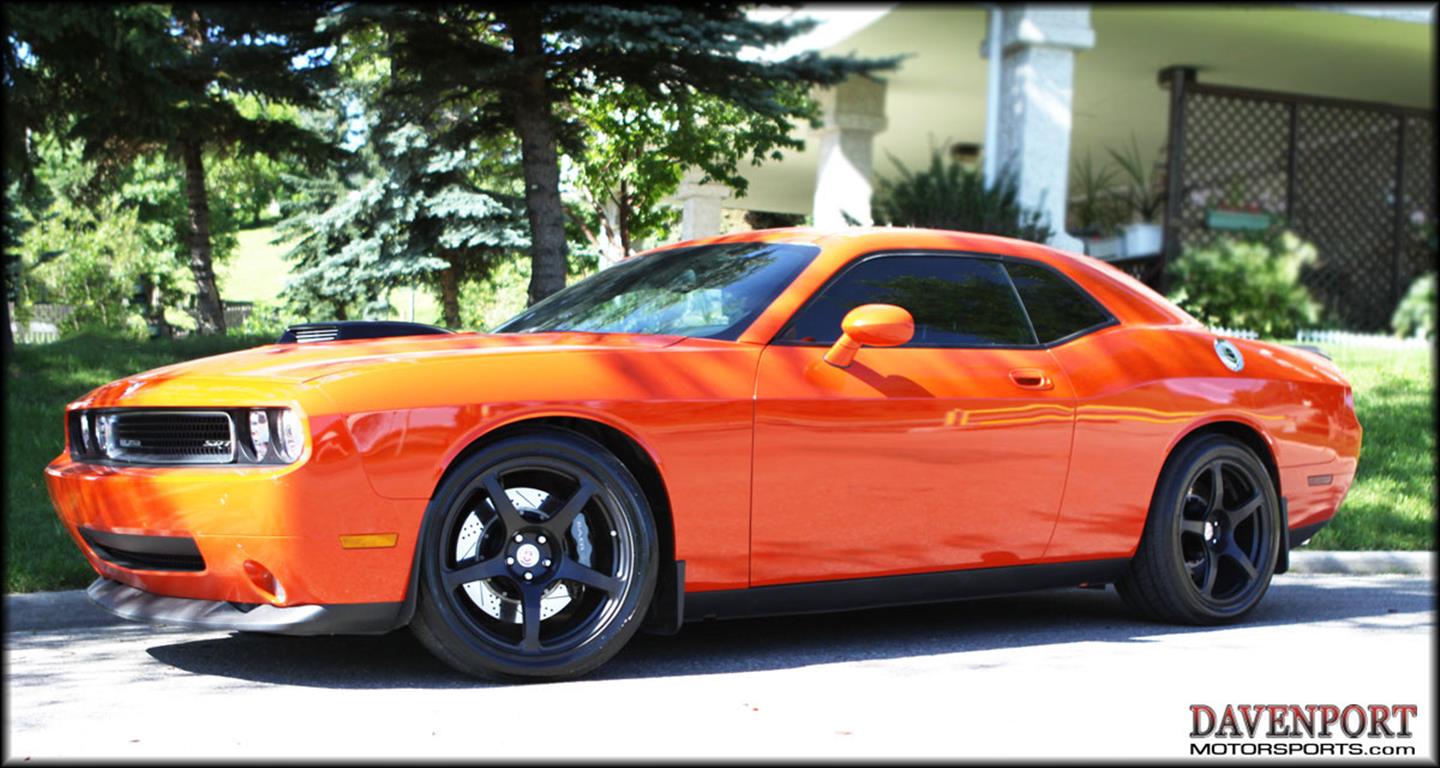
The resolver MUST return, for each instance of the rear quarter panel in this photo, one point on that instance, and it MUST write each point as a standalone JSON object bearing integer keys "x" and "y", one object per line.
{"x": 1141, "y": 389}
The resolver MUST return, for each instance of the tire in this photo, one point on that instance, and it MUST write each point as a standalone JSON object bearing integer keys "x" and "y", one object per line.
{"x": 575, "y": 519}
{"x": 1204, "y": 559}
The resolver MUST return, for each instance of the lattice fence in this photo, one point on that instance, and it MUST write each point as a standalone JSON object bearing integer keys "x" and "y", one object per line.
{"x": 1332, "y": 171}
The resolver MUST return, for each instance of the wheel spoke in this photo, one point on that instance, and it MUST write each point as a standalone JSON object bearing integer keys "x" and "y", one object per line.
{"x": 530, "y": 597}
{"x": 573, "y": 571}
{"x": 559, "y": 522}
{"x": 1217, "y": 488}
{"x": 1242, "y": 512}
{"x": 484, "y": 569}
{"x": 501, "y": 501}
{"x": 1207, "y": 581}
{"x": 1233, "y": 553}
{"x": 1196, "y": 527}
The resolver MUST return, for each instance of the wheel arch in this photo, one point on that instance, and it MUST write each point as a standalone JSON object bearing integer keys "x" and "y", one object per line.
{"x": 1246, "y": 433}
{"x": 627, "y": 448}
{"x": 1256, "y": 440}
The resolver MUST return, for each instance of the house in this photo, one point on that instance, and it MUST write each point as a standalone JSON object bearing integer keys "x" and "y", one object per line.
{"x": 1320, "y": 115}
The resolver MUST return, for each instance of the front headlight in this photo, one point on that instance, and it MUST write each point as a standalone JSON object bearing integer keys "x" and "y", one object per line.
{"x": 260, "y": 433}
{"x": 104, "y": 429}
{"x": 291, "y": 434}
{"x": 277, "y": 435}
{"x": 87, "y": 443}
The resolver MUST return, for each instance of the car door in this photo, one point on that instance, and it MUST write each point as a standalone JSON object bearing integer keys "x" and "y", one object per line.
{"x": 948, "y": 452}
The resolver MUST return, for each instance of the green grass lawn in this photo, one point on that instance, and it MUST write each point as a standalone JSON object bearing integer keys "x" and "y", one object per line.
{"x": 257, "y": 271}
{"x": 1391, "y": 505}
{"x": 40, "y": 380}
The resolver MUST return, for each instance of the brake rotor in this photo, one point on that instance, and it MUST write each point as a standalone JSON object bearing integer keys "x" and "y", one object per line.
{"x": 498, "y": 601}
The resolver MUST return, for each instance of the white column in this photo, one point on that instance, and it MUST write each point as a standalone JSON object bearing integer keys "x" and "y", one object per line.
{"x": 853, "y": 112}
{"x": 1037, "y": 75}
{"x": 699, "y": 205}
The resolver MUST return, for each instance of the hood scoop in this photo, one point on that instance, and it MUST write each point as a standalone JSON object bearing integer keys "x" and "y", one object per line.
{"x": 341, "y": 330}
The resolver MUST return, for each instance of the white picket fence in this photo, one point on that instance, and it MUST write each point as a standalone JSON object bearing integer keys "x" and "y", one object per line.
{"x": 1347, "y": 339}
{"x": 1337, "y": 338}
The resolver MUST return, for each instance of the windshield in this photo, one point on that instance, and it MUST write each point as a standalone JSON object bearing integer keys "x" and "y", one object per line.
{"x": 704, "y": 291}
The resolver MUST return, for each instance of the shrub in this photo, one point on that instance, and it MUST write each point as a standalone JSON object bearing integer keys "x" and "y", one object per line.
{"x": 95, "y": 258}
{"x": 1247, "y": 283}
{"x": 1416, "y": 314}
{"x": 773, "y": 219}
{"x": 1095, "y": 211}
{"x": 947, "y": 195}
{"x": 1143, "y": 192}
{"x": 266, "y": 319}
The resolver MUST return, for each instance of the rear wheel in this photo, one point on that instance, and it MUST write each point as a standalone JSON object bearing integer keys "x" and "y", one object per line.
{"x": 538, "y": 560}
{"x": 1211, "y": 539}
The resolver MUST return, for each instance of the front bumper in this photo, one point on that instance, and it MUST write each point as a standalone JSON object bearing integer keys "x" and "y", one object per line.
{"x": 133, "y": 604}
{"x": 285, "y": 523}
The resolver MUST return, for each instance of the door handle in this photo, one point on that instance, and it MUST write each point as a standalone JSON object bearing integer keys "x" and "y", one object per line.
{"x": 1031, "y": 378}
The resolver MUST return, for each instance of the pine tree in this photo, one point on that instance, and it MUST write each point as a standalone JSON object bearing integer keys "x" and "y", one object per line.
{"x": 128, "y": 80}
{"x": 412, "y": 216}
{"x": 523, "y": 66}
{"x": 422, "y": 201}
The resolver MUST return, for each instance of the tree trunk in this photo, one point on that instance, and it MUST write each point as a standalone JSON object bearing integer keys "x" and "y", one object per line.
{"x": 535, "y": 126}
{"x": 9, "y": 332}
{"x": 450, "y": 293}
{"x": 623, "y": 215}
{"x": 154, "y": 310}
{"x": 608, "y": 244}
{"x": 210, "y": 314}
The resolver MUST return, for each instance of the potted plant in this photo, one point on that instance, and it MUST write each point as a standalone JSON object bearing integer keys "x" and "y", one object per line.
{"x": 1144, "y": 235}
{"x": 1240, "y": 210}
{"x": 949, "y": 195}
{"x": 1093, "y": 215}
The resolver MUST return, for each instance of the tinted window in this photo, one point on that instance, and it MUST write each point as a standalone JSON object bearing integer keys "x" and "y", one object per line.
{"x": 956, "y": 302}
{"x": 705, "y": 291}
{"x": 1057, "y": 308}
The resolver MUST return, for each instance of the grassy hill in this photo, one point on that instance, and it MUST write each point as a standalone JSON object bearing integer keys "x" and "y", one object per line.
{"x": 258, "y": 271}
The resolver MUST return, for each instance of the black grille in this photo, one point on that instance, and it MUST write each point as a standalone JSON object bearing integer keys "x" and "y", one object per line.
{"x": 145, "y": 553}
{"x": 168, "y": 437}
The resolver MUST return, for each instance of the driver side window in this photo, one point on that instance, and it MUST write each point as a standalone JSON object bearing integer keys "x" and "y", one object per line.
{"x": 955, "y": 301}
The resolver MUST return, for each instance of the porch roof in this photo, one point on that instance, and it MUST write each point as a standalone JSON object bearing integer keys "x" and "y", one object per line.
{"x": 938, "y": 95}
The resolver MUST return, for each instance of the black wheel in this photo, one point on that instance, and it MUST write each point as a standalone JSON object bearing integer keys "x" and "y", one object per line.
{"x": 1211, "y": 539}
{"x": 538, "y": 559}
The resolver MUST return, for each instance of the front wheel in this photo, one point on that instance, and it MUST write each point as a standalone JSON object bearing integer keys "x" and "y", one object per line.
{"x": 538, "y": 560}
{"x": 1211, "y": 539}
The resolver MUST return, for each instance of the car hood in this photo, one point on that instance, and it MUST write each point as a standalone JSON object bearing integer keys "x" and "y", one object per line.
{"x": 305, "y": 362}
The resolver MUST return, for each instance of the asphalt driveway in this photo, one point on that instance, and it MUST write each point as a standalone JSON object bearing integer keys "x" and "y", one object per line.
{"x": 1059, "y": 674}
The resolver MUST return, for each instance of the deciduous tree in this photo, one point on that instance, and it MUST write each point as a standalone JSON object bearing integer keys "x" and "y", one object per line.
{"x": 129, "y": 80}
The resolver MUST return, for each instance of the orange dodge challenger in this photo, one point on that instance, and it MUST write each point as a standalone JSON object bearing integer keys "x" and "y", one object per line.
{"x": 769, "y": 422}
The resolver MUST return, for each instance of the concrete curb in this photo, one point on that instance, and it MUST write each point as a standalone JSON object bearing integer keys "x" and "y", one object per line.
{"x": 1363, "y": 562}
{"x": 71, "y": 608}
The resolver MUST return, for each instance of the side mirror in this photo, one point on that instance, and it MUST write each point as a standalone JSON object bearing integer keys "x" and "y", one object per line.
{"x": 873, "y": 325}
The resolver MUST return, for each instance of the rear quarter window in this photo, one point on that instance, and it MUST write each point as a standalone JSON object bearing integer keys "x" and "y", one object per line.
{"x": 1058, "y": 308}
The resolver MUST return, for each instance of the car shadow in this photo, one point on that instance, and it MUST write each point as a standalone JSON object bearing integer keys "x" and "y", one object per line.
{"x": 397, "y": 660}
